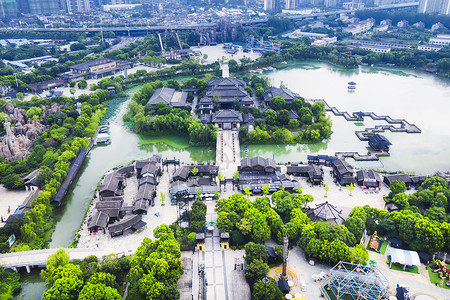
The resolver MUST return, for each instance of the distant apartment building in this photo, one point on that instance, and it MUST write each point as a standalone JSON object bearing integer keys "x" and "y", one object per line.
{"x": 8, "y": 9}
{"x": 97, "y": 68}
{"x": 379, "y": 49}
{"x": 381, "y": 28}
{"x": 386, "y": 22}
{"x": 359, "y": 27}
{"x": 291, "y": 4}
{"x": 71, "y": 6}
{"x": 434, "y": 7}
{"x": 402, "y": 23}
{"x": 419, "y": 24}
{"x": 428, "y": 48}
{"x": 39, "y": 7}
{"x": 440, "y": 40}
{"x": 271, "y": 4}
{"x": 437, "y": 26}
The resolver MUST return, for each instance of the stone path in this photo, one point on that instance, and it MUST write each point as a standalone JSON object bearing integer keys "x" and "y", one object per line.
{"x": 228, "y": 152}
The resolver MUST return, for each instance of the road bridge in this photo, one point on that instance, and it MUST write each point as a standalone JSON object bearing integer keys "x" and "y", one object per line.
{"x": 38, "y": 258}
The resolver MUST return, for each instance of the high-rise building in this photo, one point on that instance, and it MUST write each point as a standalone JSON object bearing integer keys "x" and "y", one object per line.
{"x": 8, "y": 9}
{"x": 271, "y": 4}
{"x": 71, "y": 6}
{"x": 434, "y": 6}
{"x": 290, "y": 4}
{"x": 39, "y": 7}
{"x": 445, "y": 8}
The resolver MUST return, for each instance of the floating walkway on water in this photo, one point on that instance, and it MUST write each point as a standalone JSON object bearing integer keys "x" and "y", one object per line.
{"x": 363, "y": 135}
{"x": 370, "y": 156}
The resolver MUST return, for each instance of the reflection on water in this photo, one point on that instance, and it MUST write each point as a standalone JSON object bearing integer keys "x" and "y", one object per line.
{"x": 417, "y": 97}
{"x": 398, "y": 93}
{"x": 32, "y": 286}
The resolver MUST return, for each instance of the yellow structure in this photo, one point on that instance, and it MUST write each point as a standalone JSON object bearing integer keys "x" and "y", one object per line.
{"x": 224, "y": 240}
{"x": 200, "y": 241}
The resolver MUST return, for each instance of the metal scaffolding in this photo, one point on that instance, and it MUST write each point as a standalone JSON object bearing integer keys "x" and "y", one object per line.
{"x": 357, "y": 282}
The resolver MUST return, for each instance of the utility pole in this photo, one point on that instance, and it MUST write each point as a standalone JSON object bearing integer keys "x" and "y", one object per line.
{"x": 265, "y": 280}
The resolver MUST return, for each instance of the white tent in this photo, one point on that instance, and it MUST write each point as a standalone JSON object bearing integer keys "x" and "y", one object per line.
{"x": 404, "y": 257}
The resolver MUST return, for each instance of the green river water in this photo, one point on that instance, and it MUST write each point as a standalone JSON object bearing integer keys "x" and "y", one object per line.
{"x": 420, "y": 98}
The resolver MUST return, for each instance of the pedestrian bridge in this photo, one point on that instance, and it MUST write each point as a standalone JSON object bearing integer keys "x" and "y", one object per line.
{"x": 38, "y": 258}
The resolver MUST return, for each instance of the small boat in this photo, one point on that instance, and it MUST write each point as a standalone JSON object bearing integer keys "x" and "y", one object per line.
{"x": 351, "y": 86}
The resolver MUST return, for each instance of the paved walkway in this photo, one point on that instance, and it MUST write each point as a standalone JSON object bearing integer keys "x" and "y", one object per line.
{"x": 228, "y": 152}
{"x": 417, "y": 283}
{"x": 219, "y": 266}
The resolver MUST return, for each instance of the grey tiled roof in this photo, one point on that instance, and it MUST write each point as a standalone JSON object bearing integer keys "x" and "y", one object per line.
{"x": 227, "y": 116}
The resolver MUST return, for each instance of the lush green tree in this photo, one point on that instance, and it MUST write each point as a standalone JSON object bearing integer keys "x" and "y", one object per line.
{"x": 66, "y": 280}
{"x": 293, "y": 124}
{"x": 356, "y": 226}
{"x": 60, "y": 258}
{"x": 92, "y": 291}
{"x": 440, "y": 200}
{"x": 255, "y": 251}
{"x": 437, "y": 214}
{"x": 156, "y": 267}
{"x": 265, "y": 189}
{"x": 34, "y": 113}
{"x": 428, "y": 236}
{"x": 194, "y": 171}
{"x": 270, "y": 291}
{"x": 445, "y": 230}
{"x": 260, "y": 229}
{"x": 20, "y": 96}
{"x": 256, "y": 270}
{"x": 271, "y": 117}
{"x": 359, "y": 255}
{"x": 397, "y": 187}
{"x": 277, "y": 103}
{"x": 9, "y": 283}
{"x": 244, "y": 226}
{"x": 401, "y": 200}
{"x": 13, "y": 182}
{"x": 106, "y": 279}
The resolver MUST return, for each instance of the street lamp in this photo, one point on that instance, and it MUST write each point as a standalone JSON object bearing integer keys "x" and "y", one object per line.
{"x": 265, "y": 280}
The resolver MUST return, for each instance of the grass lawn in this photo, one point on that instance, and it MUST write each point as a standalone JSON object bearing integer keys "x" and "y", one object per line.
{"x": 434, "y": 277}
{"x": 382, "y": 249}
{"x": 399, "y": 267}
